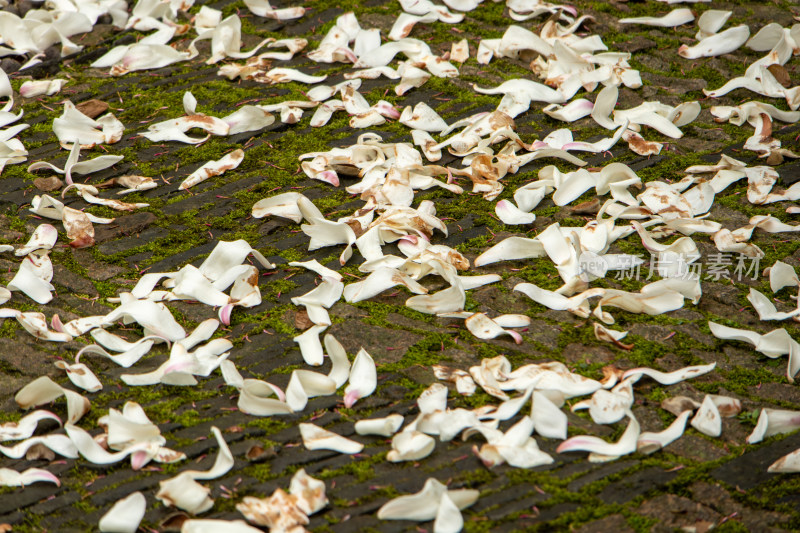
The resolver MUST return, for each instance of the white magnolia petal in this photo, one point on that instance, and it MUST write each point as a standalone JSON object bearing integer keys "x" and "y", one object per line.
{"x": 575, "y": 110}
{"x": 534, "y": 91}
{"x": 283, "y": 75}
{"x": 32, "y": 89}
{"x": 183, "y": 492}
{"x": 787, "y": 464}
{"x": 410, "y": 445}
{"x": 126, "y": 358}
{"x": 711, "y": 21}
{"x": 12, "y": 478}
{"x": 766, "y": 309}
{"x": 315, "y": 266}
{"x": 422, "y": 117}
{"x": 310, "y": 345}
{"x": 459, "y": 52}
{"x": 639, "y": 145}
{"x": 43, "y": 238}
{"x": 325, "y": 294}
{"x": 650, "y": 442}
{"x": 427, "y": 144}
{"x": 44, "y": 390}
{"x": 511, "y": 249}
{"x": 484, "y": 327}
{"x": 262, "y": 8}
{"x": 201, "y": 333}
{"x": 604, "y": 106}
{"x": 35, "y": 324}
{"x": 279, "y": 512}
{"x": 674, "y": 18}
{"x": 153, "y": 316}
{"x": 424, "y": 505}
{"x": 142, "y": 56}
{"x": 774, "y": 422}
{"x": 607, "y": 407}
{"x": 254, "y": 397}
{"x": 96, "y": 454}
{"x": 310, "y": 492}
{"x": 227, "y": 255}
{"x": 81, "y": 376}
{"x": 384, "y": 427}
{"x": 363, "y": 378}
{"x": 340, "y": 365}
{"x": 209, "y": 525}
{"x": 448, "y": 517}
{"x": 670, "y": 378}
{"x": 305, "y": 384}
{"x": 707, "y": 420}
{"x": 60, "y": 444}
{"x": 378, "y": 281}
{"x": 125, "y": 515}
{"x": 222, "y": 464}
{"x": 625, "y": 445}
{"x": 433, "y": 399}
{"x": 717, "y": 44}
{"x": 445, "y": 301}
{"x": 510, "y": 214}
{"x": 405, "y": 23}
{"x": 26, "y": 426}
{"x": 248, "y": 118}
{"x": 317, "y": 438}
{"x": 548, "y": 420}
{"x": 33, "y": 279}
{"x": 513, "y": 321}
{"x": 213, "y": 168}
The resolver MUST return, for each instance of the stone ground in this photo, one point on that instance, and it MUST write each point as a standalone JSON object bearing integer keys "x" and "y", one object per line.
{"x": 696, "y": 483}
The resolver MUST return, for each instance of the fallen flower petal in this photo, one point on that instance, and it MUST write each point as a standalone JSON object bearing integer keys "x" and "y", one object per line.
{"x": 209, "y": 525}
{"x": 44, "y": 390}
{"x": 625, "y": 445}
{"x": 708, "y": 420}
{"x": 670, "y": 378}
{"x": 317, "y": 438}
{"x": 674, "y": 18}
{"x": 410, "y": 445}
{"x": 363, "y": 379}
{"x": 183, "y": 492}
{"x": 384, "y": 427}
{"x": 484, "y": 327}
{"x": 310, "y": 345}
{"x": 26, "y": 426}
{"x": 649, "y": 442}
{"x": 787, "y": 464}
{"x": 213, "y": 168}
{"x": 12, "y": 478}
{"x": 774, "y": 422}
{"x": 424, "y": 505}
{"x": 308, "y": 491}
{"x": 125, "y": 515}
{"x": 717, "y": 44}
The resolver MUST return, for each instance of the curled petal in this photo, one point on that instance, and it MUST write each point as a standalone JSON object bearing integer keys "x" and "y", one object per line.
{"x": 317, "y": 438}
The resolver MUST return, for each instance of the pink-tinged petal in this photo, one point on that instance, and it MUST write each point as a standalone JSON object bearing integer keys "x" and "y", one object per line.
{"x": 179, "y": 366}
{"x": 56, "y": 324}
{"x": 139, "y": 459}
{"x": 328, "y": 176}
{"x": 351, "y": 398}
{"x": 225, "y": 314}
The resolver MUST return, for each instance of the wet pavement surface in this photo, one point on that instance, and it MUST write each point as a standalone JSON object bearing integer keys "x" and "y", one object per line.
{"x": 696, "y": 483}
